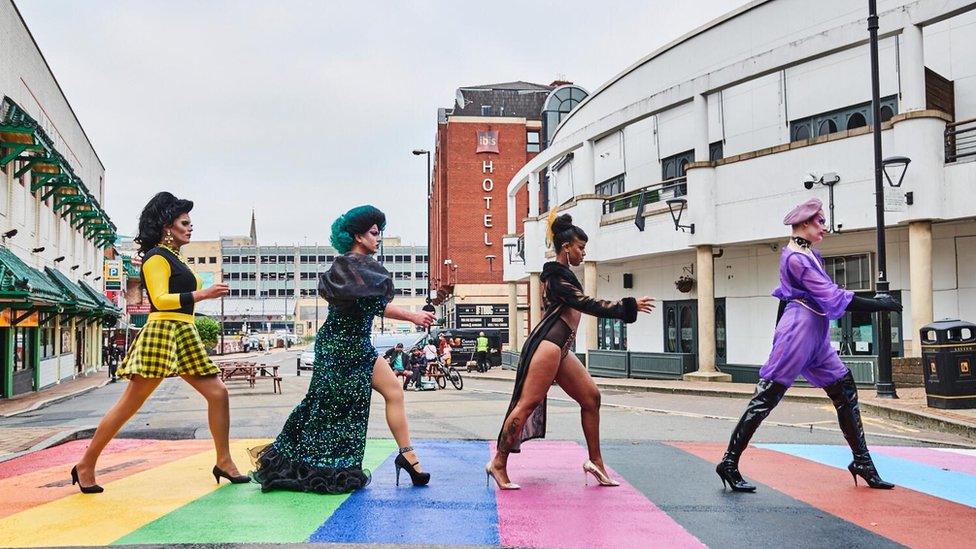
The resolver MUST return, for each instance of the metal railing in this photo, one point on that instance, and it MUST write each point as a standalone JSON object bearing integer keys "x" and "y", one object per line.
{"x": 667, "y": 189}
{"x": 960, "y": 140}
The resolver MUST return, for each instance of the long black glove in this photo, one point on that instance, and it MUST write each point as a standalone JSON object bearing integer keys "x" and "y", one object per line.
{"x": 870, "y": 305}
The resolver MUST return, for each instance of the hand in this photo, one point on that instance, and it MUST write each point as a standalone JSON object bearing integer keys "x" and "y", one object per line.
{"x": 423, "y": 318}
{"x": 216, "y": 291}
{"x": 645, "y": 304}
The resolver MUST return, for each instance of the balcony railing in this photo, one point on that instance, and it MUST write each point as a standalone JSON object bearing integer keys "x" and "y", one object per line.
{"x": 960, "y": 140}
{"x": 669, "y": 188}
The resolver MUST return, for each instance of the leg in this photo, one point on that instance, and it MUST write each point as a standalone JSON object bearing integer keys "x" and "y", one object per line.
{"x": 843, "y": 393}
{"x": 541, "y": 374}
{"x": 768, "y": 394}
{"x": 136, "y": 393}
{"x": 218, "y": 414}
{"x": 386, "y": 384}
{"x": 578, "y": 384}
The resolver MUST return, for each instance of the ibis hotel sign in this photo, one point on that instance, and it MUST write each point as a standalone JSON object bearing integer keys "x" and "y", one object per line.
{"x": 487, "y": 143}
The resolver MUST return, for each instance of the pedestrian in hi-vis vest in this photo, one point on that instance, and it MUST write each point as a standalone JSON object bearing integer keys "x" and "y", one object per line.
{"x": 481, "y": 352}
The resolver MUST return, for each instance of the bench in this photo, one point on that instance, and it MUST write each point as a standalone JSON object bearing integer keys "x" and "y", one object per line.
{"x": 250, "y": 372}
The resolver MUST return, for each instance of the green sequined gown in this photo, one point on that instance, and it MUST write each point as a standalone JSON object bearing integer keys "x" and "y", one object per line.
{"x": 320, "y": 449}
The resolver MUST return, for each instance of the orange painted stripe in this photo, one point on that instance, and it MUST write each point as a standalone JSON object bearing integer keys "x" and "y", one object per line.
{"x": 28, "y": 490}
{"x": 902, "y": 515}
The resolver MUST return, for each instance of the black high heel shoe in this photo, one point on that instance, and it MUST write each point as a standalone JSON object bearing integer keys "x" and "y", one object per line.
{"x": 869, "y": 474}
{"x": 93, "y": 489}
{"x": 234, "y": 479}
{"x": 729, "y": 473}
{"x": 418, "y": 479}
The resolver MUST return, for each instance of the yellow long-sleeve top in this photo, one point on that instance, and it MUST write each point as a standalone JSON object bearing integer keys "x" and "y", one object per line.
{"x": 170, "y": 283}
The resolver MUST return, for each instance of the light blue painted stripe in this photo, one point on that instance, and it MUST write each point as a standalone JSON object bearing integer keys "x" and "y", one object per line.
{"x": 455, "y": 509}
{"x": 948, "y": 485}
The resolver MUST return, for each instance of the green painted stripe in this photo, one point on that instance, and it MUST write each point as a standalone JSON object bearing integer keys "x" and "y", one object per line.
{"x": 240, "y": 513}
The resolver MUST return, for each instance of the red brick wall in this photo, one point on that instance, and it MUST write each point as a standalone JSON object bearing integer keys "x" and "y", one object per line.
{"x": 458, "y": 206}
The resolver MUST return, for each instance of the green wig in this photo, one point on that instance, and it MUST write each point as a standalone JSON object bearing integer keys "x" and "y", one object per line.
{"x": 356, "y": 221}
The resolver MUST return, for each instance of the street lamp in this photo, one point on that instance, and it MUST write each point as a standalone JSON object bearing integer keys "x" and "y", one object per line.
{"x": 885, "y": 385}
{"x": 677, "y": 206}
{"x": 418, "y": 152}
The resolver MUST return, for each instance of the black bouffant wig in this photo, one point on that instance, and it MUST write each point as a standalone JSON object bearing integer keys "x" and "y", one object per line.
{"x": 162, "y": 210}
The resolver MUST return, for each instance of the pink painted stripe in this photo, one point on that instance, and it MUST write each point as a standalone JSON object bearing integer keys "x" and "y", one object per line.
{"x": 951, "y": 461}
{"x": 62, "y": 454}
{"x": 555, "y": 509}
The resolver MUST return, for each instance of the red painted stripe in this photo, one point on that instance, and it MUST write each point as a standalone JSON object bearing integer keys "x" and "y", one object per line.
{"x": 555, "y": 508}
{"x": 902, "y": 515}
{"x": 63, "y": 454}
{"x": 51, "y": 482}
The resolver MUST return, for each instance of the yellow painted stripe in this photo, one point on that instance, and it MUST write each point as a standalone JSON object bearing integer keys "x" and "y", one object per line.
{"x": 126, "y": 505}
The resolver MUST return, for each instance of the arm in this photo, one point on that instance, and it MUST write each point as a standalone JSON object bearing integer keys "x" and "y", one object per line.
{"x": 831, "y": 298}
{"x": 562, "y": 290}
{"x": 420, "y": 318}
{"x": 871, "y": 305}
{"x": 156, "y": 271}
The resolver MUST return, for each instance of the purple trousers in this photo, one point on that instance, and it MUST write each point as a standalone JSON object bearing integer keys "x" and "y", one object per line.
{"x": 801, "y": 347}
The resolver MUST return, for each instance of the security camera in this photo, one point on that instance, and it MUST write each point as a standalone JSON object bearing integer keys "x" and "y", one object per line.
{"x": 809, "y": 184}
{"x": 10, "y": 234}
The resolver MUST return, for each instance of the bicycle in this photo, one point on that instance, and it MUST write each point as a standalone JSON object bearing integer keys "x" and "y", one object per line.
{"x": 444, "y": 373}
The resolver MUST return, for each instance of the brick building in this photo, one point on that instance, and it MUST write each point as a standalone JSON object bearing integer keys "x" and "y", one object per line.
{"x": 482, "y": 142}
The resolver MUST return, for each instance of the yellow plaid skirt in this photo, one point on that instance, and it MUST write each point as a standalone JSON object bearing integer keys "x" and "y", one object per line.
{"x": 167, "y": 348}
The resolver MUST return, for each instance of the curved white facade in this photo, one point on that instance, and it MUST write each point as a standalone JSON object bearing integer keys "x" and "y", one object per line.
{"x": 732, "y": 99}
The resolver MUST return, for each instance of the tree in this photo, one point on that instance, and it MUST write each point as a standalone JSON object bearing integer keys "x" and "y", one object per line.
{"x": 209, "y": 331}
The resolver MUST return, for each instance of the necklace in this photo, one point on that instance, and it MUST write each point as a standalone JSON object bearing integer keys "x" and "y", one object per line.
{"x": 802, "y": 242}
{"x": 175, "y": 252}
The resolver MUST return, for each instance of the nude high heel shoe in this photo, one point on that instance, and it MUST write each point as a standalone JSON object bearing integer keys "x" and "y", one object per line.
{"x": 490, "y": 472}
{"x": 601, "y": 477}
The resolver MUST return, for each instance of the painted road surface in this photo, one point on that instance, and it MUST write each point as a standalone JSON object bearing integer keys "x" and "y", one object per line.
{"x": 161, "y": 493}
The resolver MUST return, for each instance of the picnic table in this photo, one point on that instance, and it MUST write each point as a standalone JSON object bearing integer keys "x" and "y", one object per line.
{"x": 250, "y": 372}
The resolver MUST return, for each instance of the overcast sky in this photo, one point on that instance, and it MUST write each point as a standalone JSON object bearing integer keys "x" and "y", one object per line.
{"x": 301, "y": 110}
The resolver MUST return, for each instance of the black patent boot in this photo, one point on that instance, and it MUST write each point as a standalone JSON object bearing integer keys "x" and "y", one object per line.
{"x": 843, "y": 393}
{"x": 768, "y": 394}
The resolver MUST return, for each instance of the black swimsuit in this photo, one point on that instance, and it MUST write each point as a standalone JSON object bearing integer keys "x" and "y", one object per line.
{"x": 562, "y": 335}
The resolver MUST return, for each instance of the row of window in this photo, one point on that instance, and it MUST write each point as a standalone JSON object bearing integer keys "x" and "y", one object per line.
{"x": 308, "y": 259}
{"x": 847, "y": 118}
{"x": 201, "y": 260}
{"x": 239, "y": 276}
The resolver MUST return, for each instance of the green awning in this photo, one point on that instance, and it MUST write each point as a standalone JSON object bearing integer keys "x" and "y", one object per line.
{"x": 131, "y": 271}
{"x": 21, "y": 285}
{"x": 76, "y": 296}
{"x": 107, "y": 307}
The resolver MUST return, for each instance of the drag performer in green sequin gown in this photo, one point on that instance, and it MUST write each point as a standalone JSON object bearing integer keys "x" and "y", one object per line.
{"x": 320, "y": 449}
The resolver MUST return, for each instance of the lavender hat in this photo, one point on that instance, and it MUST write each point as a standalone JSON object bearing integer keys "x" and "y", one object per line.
{"x": 803, "y": 212}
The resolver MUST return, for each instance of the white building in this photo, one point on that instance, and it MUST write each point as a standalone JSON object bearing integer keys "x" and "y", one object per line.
{"x": 54, "y": 227}
{"x": 734, "y": 117}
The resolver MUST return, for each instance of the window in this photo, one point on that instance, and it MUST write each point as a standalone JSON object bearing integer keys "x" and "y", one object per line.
{"x": 827, "y": 126}
{"x": 532, "y": 144}
{"x": 612, "y": 186}
{"x": 673, "y": 167}
{"x": 47, "y": 342}
{"x": 23, "y": 348}
{"x": 420, "y": 258}
{"x": 851, "y": 272}
{"x": 611, "y": 334}
{"x": 486, "y": 110}
{"x": 715, "y": 151}
{"x": 201, "y": 260}
{"x": 191, "y": 260}
{"x": 856, "y": 120}
{"x": 886, "y": 113}
{"x": 212, "y": 259}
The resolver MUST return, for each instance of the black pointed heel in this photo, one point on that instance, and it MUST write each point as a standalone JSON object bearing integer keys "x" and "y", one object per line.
{"x": 234, "y": 479}
{"x": 93, "y": 489}
{"x": 417, "y": 478}
{"x": 729, "y": 473}
{"x": 869, "y": 474}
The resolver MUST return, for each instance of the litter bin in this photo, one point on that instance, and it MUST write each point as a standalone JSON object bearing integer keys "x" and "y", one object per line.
{"x": 948, "y": 359}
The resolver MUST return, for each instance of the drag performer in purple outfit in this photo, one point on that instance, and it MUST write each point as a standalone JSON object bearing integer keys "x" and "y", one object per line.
{"x": 801, "y": 346}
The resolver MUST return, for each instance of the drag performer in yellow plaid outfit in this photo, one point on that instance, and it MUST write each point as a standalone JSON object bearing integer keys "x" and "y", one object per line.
{"x": 168, "y": 345}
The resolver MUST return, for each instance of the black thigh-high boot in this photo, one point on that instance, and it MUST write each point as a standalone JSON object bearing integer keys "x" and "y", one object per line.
{"x": 768, "y": 394}
{"x": 844, "y": 395}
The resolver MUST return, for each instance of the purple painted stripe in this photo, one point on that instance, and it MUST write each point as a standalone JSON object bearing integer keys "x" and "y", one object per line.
{"x": 555, "y": 509}
{"x": 950, "y": 461}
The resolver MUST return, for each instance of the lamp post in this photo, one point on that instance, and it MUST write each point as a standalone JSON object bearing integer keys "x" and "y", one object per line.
{"x": 677, "y": 206}
{"x": 418, "y": 152}
{"x": 221, "y": 325}
{"x": 885, "y": 385}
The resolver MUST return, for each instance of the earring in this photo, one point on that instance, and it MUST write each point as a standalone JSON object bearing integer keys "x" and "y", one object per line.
{"x": 168, "y": 239}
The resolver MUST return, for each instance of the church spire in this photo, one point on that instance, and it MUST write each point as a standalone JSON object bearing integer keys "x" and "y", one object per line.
{"x": 254, "y": 229}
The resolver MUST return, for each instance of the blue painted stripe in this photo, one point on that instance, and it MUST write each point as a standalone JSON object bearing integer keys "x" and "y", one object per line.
{"x": 455, "y": 509}
{"x": 948, "y": 485}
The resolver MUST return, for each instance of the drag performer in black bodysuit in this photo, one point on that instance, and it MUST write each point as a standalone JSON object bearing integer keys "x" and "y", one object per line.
{"x": 546, "y": 357}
